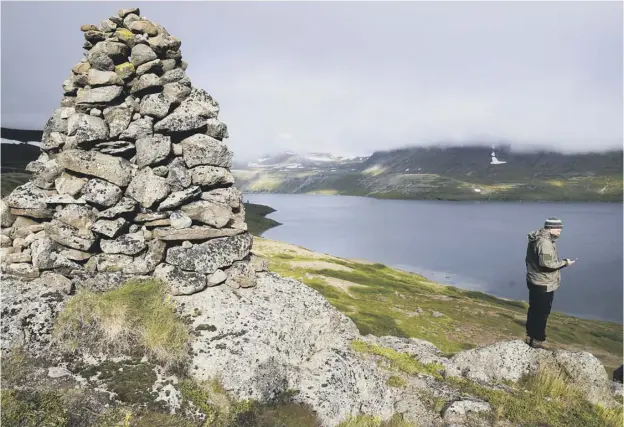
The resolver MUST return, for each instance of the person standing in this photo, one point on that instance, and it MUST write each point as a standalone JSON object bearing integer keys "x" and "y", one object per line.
{"x": 543, "y": 278}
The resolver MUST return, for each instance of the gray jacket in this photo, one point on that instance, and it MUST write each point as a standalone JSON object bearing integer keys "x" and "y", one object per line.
{"x": 542, "y": 261}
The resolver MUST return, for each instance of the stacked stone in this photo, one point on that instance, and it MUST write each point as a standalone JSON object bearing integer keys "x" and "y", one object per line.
{"x": 134, "y": 176}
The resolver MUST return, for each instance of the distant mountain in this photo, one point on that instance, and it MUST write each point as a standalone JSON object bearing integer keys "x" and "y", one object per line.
{"x": 21, "y": 135}
{"x": 302, "y": 161}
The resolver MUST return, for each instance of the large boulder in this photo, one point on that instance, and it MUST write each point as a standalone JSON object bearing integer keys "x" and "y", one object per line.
{"x": 587, "y": 373}
{"x": 203, "y": 150}
{"x": 117, "y": 170}
{"x": 152, "y": 149}
{"x": 298, "y": 342}
{"x": 209, "y": 256}
{"x": 28, "y": 196}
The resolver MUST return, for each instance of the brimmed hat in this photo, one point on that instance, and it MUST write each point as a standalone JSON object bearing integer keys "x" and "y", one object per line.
{"x": 553, "y": 223}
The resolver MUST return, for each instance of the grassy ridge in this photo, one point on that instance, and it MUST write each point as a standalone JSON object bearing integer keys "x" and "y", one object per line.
{"x": 384, "y": 301}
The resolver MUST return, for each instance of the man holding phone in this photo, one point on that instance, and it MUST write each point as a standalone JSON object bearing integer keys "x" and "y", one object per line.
{"x": 543, "y": 278}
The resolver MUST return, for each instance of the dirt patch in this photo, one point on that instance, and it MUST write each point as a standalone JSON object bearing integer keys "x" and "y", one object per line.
{"x": 319, "y": 265}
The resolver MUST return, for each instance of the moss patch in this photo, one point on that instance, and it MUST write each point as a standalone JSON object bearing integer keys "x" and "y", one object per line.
{"x": 401, "y": 361}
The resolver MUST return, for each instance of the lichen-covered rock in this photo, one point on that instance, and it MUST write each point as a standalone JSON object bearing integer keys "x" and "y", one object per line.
{"x": 459, "y": 410}
{"x": 216, "y": 215}
{"x": 299, "y": 341}
{"x": 141, "y": 54}
{"x": 146, "y": 83}
{"x": 176, "y": 93}
{"x": 28, "y": 196}
{"x": 118, "y": 119}
{"x": 69, "y": 184}
{"x": 125, "y": 206}
{"x": 127, "y": 244}
{"x": 44, "y": 178}
{"x": 66, "y": 235}
{"x": 193, "y": 233}
{"x": 87, "y": 128}
{"x": 192, "y": 113}
{"x": 230, "y": 196}
{"x": 148, "y": 188}
{"x": 156, "y": 105}
{"x": 102, "y": 193}
{"x": 6, "y": 219}
{"x": 103, "y": 78}
{"x": 209, "y": 256}
{"x": 152, "y": 149}
{"x": 110, "y": 263}
{"x": 43, "y": 253}
{"x": 180, "y": 220}
{"x": 216, "y": 129}
{"x": 180, "y": 282}
{"x": 147, "y": 263}
{"x": 203, "y": 150}
{"x": 110, "y": 228}
{"x": 179, "y": 176}
{"x": 140, "y": 128}
{"x": 117, "y": 170}
{"x": 77, "y": 216}
{"x": 208, "y": 176}
{"x": 240, "y": 275}
{"x": 143, "y": 27}
{"x": 178, "y": 198}
{"x": 25, "y": 270}
{"x": 587, "y": 373}
{"x": 98, "y": 96}
{"x": 153, "y": 67}
{"x": 15, "y": 258}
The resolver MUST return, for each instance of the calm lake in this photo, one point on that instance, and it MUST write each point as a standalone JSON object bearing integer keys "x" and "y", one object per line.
{"x": 477, "y": 246}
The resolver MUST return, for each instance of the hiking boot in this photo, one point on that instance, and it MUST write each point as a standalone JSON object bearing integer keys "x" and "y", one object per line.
{"x": 540, "y": 344}
{"x": 528, "y": 341}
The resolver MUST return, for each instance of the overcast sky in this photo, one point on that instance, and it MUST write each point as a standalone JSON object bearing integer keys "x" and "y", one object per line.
{"x": 351, "y": 78}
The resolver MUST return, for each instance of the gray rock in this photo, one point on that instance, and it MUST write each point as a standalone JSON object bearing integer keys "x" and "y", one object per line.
{"x": 179, "y": 176}
{"x": 147, "y": 263}
{"x": 56, "y": 123}
{"x": 193, "y": 233}
{"x": 117, "y": 170}
{"x": 436, "y": 314}
{"x": 458, "y": 411}
{"x": 69, "y": 236}
{"x": 103, "y": 78}
{"x": 168, "y": 64}
{"x": 69, "y": 87}
{"x": 115, "y": 147}
{"x": 143, "y": 27}
{"x": 95, "y": 112}
{"x": 158, "y": 223}
{"x": 64, "y": 199}
{"x": 101, "y": 61}
{"x": 146, "y": 83}
{"x": 203, "y": 150}
{"x": 125, "y": 206}
{"x": 230, "y": 196}
{"x": 180, "y": 282}
{"x": 75, "y": 254}
{"x": 127, "y": 244}
{"x": 192, "y": 113}
{"x": 208, "y": 176}
{"x": 176, "y": 92}
{"x": 24, "y": 270}
{"x": 27, "y": 308}
{"x": 154, "y": 67}
{"x": 152, "y": 149}
{"x": 36, "y": 165}
{"x": 6, "y": 219}
{"x": 178, "y": 198}
{"x": 141, "y": 54}
{"x": 126, "y": 70}
{"x": 44, "y": 254}
{"x": 110, "y": 263}
{"x": 53, "y": 140}
{"x": 33, "y": 213}
{"x": 125, "y": 12}
{"x": 216, "y": 278}
{"x": 139, "y": 129}
{"x": 28, "y": 196}
{"x": 69, "y": 184}
{"x": 173, "y": 75}
{"x": 177, "y": 150}
{"x": 136, "y": 116}
{"x": 147, "y": 188}
{"x": 156, "y": 105}
{"x": 298, "y": 341}
{"x": 108, "y": 25}
{"x": 214, "y": 214}
{"x": 216, "y": 129}
{"x": 58, "y": 371}
{"x": 5, "y": 241}
{"x": 76, "y": 216}
{"x": 587, "y": 373}
{"x": 258, "y": 264}
{"x": 161, "y": 170}
{"x": 150, "y": 216}
{"x": 209, "y": 256}
{"x": 116, "y": 51}
{"x": 15, "y": 258}
{"x": 97, "y": 96}
{"x": 180, "y": 220}
{"x": 102, "y": 193}
{"x": 118, "y": 119}
{"x": 44, "y": 177}
{"x": 87, "y": 128}
{"x": 241, "y": 275}
{"x": 56, "y": 282}
{"x": 109, "y": 227}
{"x": 617, "y": 389}
{"x": 22, "y": 227}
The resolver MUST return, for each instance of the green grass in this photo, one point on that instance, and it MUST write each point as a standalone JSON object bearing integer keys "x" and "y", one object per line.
{"x": 136, "y": 318}
{"x": 255, "y": 218}
{"x": 384, "y": 301}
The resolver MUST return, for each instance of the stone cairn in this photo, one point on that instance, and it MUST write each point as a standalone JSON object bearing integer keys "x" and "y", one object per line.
{"x": 133, "y": 178}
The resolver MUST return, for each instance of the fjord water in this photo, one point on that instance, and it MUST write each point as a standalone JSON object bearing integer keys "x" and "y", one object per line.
{"x": 476, "y": 246}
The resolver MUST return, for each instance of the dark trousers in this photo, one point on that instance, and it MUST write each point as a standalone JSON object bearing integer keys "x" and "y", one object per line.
{"x": 540, "y": 303}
